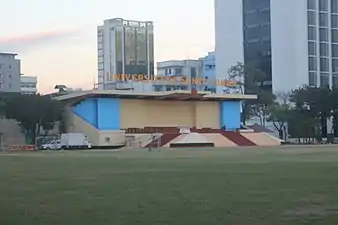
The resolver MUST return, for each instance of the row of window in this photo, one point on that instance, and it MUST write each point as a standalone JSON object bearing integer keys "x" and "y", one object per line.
{"x": 257, "y": 32}
{"x": 323, "y": 5}
{"x": 168, "y": 88}
{"x": 2, "y": 66}
{"x": 2, "y": 76}
{"x": 2, "y": 85}
{"x": 173, "y": 71}
{"x": 324, "y": 64}
{"x": 323, "y": 19}
{"x": 324, "y": 34}
{"x": 28, "y": 85}
{"x": 255, "y": 4}
{"x": 28, "y": 93}
{"x": 256, "y": 18}
{"x": 324, "y": 79}
{"x": 323, "y": 49}
{"x": 209, "y": 67}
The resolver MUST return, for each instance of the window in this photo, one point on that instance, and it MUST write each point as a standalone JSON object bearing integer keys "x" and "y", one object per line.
{"x": 166, "y": 72}
{"x": 323, "y": 5}
{"x": 255, "y": 4}
{"x": 311, "y": 18}
{"x": 100, "y": 66}
{"x": 193, "y": 72}
{"x": 324, "y": 49}
{"x": 10, "y": 76}
{"x": 334, "y": 36}
{"x": 323, "y": 19}
{"x": 312, "y": 63}
{"x": 335, "y": 50}
{"x": 10, "y": 66}
{"x": 323, "y": 34}
{"x": 313, "y": 79}
{"x": 311, "y": 33}
{"x": 157, "y": 88}
{"x": 10, "y": 85}
{"x": 324, "y": 79}
{"x": 335, "y": 80}
{"x": 334, "y": 6}
{"x": 178, "y": 71}
{"x": 311, "y": 4}
{"x": 312, "y": 48}
{"x": 335, "y": 65}
{"x": 324, "y": 65}
{"x": 334, "y": 21}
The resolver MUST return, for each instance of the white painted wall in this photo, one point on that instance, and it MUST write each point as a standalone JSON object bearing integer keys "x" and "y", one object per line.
{"x": 228, "y": 35}
{"x": 289, "y": 44}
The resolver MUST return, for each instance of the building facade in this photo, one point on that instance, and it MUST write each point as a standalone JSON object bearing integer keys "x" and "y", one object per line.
{"x": 29, "y": 85}
{"x": 293, "y": 46}
{"x": 190, "y": 68}
{"x": 209, "y": 71}
{"x": 9, "y": 73}
{"x": 124, "y": 47}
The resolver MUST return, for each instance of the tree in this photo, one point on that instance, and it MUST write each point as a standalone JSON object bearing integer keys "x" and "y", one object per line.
{"x": 279, "y": 115}
{"x": 33, "y": 112}
{"x": 317, "y": 106}
{"x": 251, "y": 81}
{"x": 260, "y": 106}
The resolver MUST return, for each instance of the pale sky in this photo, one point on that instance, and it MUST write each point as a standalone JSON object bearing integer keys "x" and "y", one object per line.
{"x": 56, "y": 39}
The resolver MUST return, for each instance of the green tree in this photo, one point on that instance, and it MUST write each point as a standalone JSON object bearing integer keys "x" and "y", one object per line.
{"x": 260, "y": 106}
{"x": 33, "y": 112}
{"x": 251, "y": 81}
{"x": 279, "y": 115}
{"x": 314, "y": 106}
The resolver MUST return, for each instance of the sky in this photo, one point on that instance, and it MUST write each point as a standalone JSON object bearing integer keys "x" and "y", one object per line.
{"x": 56, "y": 39}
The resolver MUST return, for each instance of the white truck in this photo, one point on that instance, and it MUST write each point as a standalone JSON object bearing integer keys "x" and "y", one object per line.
{"x": 68, "y": 141}
{"x": 74, "y": 141}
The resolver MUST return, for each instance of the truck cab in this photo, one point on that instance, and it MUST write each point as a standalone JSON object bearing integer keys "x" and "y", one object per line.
{"x": 51, "y": 145}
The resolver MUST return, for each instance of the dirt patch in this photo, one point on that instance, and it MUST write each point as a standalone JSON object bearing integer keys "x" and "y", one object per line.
{"x": 313, "y": 211}
{"x": 315, "y": 207}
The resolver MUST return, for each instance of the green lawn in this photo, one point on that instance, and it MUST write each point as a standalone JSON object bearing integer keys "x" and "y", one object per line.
{"x": 251, "y": 186}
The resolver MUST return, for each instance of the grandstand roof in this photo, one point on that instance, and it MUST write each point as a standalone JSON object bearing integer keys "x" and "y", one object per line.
{"x": 166, "y": 95}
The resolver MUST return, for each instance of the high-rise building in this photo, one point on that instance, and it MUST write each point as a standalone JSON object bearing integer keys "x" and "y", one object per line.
{"x": 9, "y": 73}
{"x": 295, "y": 42}
{"x": 124, "y": 47}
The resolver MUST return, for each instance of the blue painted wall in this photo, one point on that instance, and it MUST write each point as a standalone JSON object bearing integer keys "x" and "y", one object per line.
{"x": 230, "y": 112}
{"x": 209, "y": 71}
{"x": 87, "y": 111}
{"x": 108, "y": 110}
{"x": 102, "y": 113}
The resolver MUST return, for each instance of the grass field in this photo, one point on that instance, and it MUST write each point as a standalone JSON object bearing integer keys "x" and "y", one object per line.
{"x": 251, "y": 186}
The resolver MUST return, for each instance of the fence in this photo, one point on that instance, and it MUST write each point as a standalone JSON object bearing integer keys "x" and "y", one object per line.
{"x": 153, "y": 141}
{"x": 21, "y": 148}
